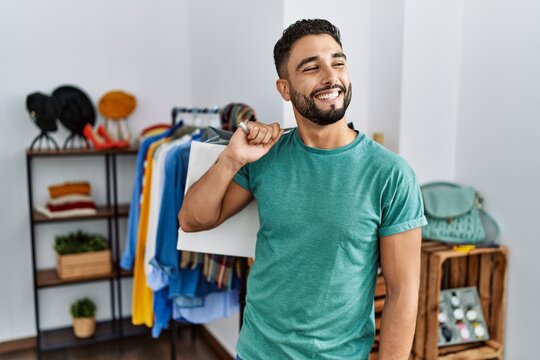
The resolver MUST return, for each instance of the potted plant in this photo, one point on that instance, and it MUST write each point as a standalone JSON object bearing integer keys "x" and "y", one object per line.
{"x": 83, "y": 312}
{"x": 82, "y": 255}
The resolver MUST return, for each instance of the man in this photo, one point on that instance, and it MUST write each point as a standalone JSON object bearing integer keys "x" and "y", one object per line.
{"x": 331, "y": 201}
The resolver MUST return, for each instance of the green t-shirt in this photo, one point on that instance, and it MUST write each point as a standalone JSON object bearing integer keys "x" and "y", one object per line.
{"x": 311, "y": 288}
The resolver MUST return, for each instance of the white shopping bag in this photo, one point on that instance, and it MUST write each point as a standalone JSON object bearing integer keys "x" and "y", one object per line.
{"x": 236, "y": 236}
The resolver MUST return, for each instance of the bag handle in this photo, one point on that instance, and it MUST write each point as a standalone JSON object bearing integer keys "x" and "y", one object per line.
{"x": 493, "y": 222}
{"x": 438, "y": 183}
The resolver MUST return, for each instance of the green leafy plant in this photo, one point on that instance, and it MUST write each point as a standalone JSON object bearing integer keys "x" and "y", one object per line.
{"x": 83, "y": 308}
{"x": 79, "y": 242}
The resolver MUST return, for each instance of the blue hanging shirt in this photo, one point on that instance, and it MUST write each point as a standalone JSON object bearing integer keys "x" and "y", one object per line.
{"x": 128, "y": 257}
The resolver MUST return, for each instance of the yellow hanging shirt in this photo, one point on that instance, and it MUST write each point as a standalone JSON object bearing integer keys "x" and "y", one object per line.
{"x": 142, "y": 311}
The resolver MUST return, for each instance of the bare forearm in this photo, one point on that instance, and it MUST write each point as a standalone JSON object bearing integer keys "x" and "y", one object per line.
{"x": 202, "y": 203}
{"x": 398, "y": 325}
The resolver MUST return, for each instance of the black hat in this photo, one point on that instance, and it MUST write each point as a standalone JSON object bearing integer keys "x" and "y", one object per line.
{"x": 43, "y": 111}
{"x": 75, "y": 108}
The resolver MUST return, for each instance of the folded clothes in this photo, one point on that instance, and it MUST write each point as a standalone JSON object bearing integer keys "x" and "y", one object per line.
{"x": 65, "y": 213}
{"x": 70, "y": 188}
{"x": 69, "y": 199}
{"x": 72, "y": 206}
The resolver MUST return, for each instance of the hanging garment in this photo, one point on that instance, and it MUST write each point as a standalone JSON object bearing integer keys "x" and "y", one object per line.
{"x": 161, "y": 288}
{"x": 165, "y": 262}
{"x": 173, "y": 286}
{"x": 158, "y": 179}
{"x": 142, "y": 301}
{"x": 128, "y": 257}
{"x": 216, "y": 306}
{"x": 166, "y": 256}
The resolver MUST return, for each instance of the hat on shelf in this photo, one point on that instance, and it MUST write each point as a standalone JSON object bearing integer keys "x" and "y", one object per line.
{"x": 43, "y": 111}
{"x": 75, "y": 108}
{"x": 116, "y": 105}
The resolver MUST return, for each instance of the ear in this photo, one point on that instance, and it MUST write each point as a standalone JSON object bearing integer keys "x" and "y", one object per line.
{"x": 282, "y": 86}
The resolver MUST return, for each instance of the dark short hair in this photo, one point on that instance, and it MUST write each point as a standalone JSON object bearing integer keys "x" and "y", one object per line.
{"x": 296, "y": 31}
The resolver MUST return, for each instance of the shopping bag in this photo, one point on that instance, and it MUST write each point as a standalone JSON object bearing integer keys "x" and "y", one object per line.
{"x": 236, "y": 236}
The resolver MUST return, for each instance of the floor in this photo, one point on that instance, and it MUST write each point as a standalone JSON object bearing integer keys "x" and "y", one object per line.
{"x": 136, "y": 348}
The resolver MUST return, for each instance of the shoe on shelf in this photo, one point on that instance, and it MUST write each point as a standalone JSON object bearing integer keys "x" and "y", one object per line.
{"x": 105, "y": 135}
{"x": 97, "y": 141}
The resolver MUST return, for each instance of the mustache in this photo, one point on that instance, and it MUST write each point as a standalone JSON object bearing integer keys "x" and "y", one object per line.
{"x": 340, "y": 87}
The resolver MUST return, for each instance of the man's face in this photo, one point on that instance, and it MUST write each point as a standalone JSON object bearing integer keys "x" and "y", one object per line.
{"x": 318, "y": 79}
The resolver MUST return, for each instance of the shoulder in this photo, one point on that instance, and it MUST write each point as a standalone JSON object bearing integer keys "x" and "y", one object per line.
{"x": 281, "y": 148}
{"x": 388, "y": 164}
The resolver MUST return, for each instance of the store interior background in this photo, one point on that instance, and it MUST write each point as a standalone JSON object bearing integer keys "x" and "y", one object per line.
{"x": 454, "y": 86}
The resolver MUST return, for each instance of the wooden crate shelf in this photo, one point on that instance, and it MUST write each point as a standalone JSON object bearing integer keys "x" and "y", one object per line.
{"x": 441, "y": 267}
{"x": 484, "y": 268}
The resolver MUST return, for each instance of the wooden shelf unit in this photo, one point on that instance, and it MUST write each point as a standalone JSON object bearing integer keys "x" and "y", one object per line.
{"x": 49, "y": 277}
{"x": 62, "y": 338}
{"x": 80, "y": 152}
{"x": 117, "y": 327}
{"x": 443, "y": 268}
{"x": 103, "y": 212}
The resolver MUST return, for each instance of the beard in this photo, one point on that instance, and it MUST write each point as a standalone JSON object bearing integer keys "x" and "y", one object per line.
{"x": 307, "y": 108}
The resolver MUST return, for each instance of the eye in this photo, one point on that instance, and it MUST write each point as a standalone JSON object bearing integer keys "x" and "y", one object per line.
{"x": 310, "y": 69}
{"x": 339, "y": 64}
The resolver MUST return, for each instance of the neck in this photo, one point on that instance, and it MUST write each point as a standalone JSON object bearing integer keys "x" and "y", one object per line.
{"x": 327, "y": 137}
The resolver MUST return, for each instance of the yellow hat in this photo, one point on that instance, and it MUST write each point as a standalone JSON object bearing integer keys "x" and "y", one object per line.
{"x": 116, "y": 105}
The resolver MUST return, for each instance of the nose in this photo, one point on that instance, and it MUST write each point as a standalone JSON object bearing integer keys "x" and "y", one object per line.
{"x": 329, "y": 75}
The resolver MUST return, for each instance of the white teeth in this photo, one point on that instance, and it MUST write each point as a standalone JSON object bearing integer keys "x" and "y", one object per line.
{"x": 330, "y": 96}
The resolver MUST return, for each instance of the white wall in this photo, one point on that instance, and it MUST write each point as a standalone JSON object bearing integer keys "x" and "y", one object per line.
{"x": 384, "y": 73}
{"x": 100, "y": 45}
{"x": 430, "y": 84}
{"x": 231, "y": 54}
{"x": 497, "y": 147}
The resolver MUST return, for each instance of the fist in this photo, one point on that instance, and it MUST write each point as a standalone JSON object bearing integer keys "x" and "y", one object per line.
{"x": 263, "y": 134}
{"x": 248, "y": 148}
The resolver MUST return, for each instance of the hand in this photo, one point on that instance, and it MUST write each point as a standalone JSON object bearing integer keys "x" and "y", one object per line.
{"x": 249, "y": 148}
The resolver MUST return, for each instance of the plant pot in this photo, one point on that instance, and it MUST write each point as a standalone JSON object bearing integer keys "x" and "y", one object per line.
{"x": 76, "y": 266}
{"x": 84, "y": 327}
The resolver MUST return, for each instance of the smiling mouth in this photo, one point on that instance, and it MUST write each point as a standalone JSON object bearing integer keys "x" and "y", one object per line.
{"x": 328, "y": 95}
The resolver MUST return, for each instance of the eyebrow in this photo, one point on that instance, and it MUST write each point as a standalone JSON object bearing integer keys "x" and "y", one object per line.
{"x": 313, "y": 58}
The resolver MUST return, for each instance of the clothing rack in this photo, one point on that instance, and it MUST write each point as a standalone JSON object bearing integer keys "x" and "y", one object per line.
{"x": 212, "y": 110}
{"x": 193, "y": 111}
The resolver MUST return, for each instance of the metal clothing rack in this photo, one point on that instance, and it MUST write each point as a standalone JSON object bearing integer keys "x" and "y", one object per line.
{"x": 175, "y": 113}
{"x": 195, "y": 113}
